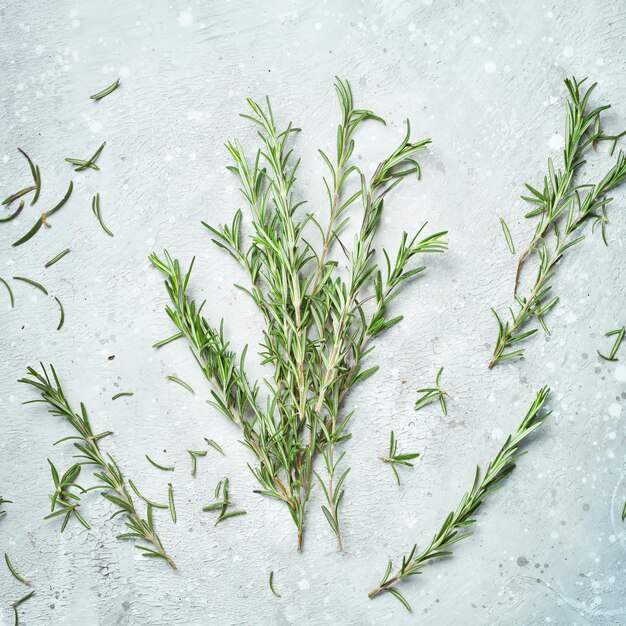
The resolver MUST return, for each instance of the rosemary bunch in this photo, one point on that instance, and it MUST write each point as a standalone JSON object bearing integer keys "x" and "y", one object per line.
{"x": 319, "y": 321}
{"x": 562, "y": 206}
{"x": 454, "y": 527}
{"x": 112, "y": 482}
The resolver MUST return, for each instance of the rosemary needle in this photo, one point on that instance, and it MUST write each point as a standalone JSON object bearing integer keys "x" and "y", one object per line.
{"x": 19, "y": 194}
{"x": 4, "y": 282}
{"x": 34, "y": 283}
{"x": 61, "y": 313}
{"x": 156, "y": 505}
{"x": 170, "y": 497}
{"x": 194, "y": 459}
{"x": 507, "y": 236}
{"x": 57, "y": 258}
{"x": 95, "y": 207}
{"x": 618, "y": 340}
{"x": 121, "y": 394}
{"x": 17, "y": 603}
{"x": 106, "y": 91}
{"x": 89, "y": 162}
{"x": 214, "y": 445}
{"x": 36, "y": 174}
{"x": 14, "y": 572}
{"x": 164, "y": 342}
{"x": 272, "y": 585}
{"x": 13, "y": 215}
{"x": 165, "y": 468}
{"x": 82, "y": 162}
{"x": 182, "y": 383}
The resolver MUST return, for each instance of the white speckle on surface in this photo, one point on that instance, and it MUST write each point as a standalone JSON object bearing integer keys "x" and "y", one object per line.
{"x": 490, "y": 67}
{"x": 615, "y": 410}
{"x": 185, "y": 18}
{"x": 620, "y": 373}
{"x": 568, "y": 52}
{"x": 556, "y": 142}
{"x": 318, "y": 26}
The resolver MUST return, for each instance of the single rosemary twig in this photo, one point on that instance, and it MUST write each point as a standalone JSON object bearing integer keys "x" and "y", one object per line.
{"x": 563, "y": 207}
{"x": 393, "y": 458}
{"x": 223, "y": 504}
{"x": 430, "y": 394}
{"x": 319, "y": 322}
{"x": 66, "y": 500}
{"x": 106, "y": 91}
{"x": 111, "y": 480}
{"x": 455, "y": 526}
{"x": 619, "y": 332}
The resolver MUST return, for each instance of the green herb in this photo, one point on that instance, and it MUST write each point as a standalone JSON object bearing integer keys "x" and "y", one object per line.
{"x": 562, "y": 207}
{"x": 42, "y": 220}
{"x": 13, "y": 215}
{"x": 58, "y": 257}
{"x": 4, "y": 282}
{"x": 17, "y": 195}
{"x": 182, "y": 383}
{"x": 95, "y": 207}
{"x": 112, "y": 484}
{"x": 152, "y": 503}
{"x": 319, "y": 320}
{"x": 106, "y": 91}
{"x": 36, "y": 174}
{"x": 223, "y": 504}
{"x": 170, "y": 498}
{"x": 214, "y": 445}
{"x": 81, "y": 165}
{"x": 507, "y": 236}
{"x": 393, "y": 458}
{"x": 66, "y": 500}
{"x": 61, "y": 314}
{"x": 618, "y": 340}
{"x": 3, "y": 501}
{"x": 164, "y": 342}
{"x": 14, "y": 572}
{"x": 122, "y": 394}
{"x": 31, "y": 282}
{"x": 165, "y": 468}
{"x": 454, "y": 527}
{"x": 272, "y": 585}
{"x": 430, "y": 394}
{"x": 17, "y": 603}
{"x": 194, "y": 459}
{"x": 624, "y": 512}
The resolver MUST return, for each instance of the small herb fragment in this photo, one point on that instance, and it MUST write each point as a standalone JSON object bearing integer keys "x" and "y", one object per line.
{"x": 155, "y": 505}
{"x": 430, "y": 394}
{"x": 165, "y": 468}
{"x": 3, "y": 501}
{"x": 19, "y": 194}
{"x": 223, "y": 505}
{"x": 106, "y": 91}
{"x": 272, "y": 585}
{"x": 397, "y": 459}
{"x": 507, "y": 236}
{"x": 34, "y": 283}
{"x": 170, "y": 498}
{"x": 122, "y": 394}
{"x": 57, "y": 258}
{"x": 61, "y": 314}
{"x": 89, "y": 162}
{"x": 194, "y": 459}
{"x": 64, "y": 498}
{"x": 4, "y": 282}
{"x": 13, "y": 215}
{"x": 182, "y": 383}
{"x": 214, "y": 445}
{"x": 14, "y": 571}
{"x": 618, "y": 340}
{"x": 17, "y": 603}
{"x": 95, "y": 207}
{"x": 36, "y": 174}
{"x": 164, "y": 342}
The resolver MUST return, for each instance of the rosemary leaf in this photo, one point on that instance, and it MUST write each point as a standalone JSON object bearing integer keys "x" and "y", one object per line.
{"x": 61, "y": 314}
{"x": 272, "y": 585}
{"x": 214, "y": 445}
{"x": 194, "y": 459}
{"x": 164, "y": 342}
{"x": 122, "y": 394}
{"x": 619, "y": 332}
{"x": 36, "y": 174}
{"x": 507, "y": 236}
{"x": 90, "y": 161}
{"x": 156, "y": 505}
{"x": 170, "y": 498}
{"x": 182, "y": 383}
{"x": 4, "y": 282}
{"x": 13, "y": 215}
{"x": 393, "y": 458}
{"x": 106, "y": 91}
{"x": 31, "y": 282}
{"x": 430, "y": 394}
{"x": 19, "y": 194}
{"x": 95, "y": 207}
{"x": 56, "y": 258}
{"x": 17, "y": 603}
{"x": 165, "y": 468}
{"x": 3, "y": 501}
{"x": 14, "y": 572}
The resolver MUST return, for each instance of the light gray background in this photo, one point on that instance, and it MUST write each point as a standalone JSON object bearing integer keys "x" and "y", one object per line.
{"x": 484, "y": 80}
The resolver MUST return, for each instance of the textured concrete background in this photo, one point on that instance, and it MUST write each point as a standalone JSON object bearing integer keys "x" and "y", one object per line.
{"x": 484, "y": 80}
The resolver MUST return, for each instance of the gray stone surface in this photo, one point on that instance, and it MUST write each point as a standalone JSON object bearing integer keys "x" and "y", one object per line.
{"x": 484, "y": 80}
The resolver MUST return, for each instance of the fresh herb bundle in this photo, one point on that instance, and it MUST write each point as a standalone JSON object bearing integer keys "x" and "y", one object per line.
{"x": 111, "y": 480}
{"x": 319, "y": 322}
{"x": 562, "y": 206}
{"x": 454, "y": 527}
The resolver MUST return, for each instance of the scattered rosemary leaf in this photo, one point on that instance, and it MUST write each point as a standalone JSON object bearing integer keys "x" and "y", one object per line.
{"x": 507, "y": 236}
{"x": 15, "y": 604}
{"x": 121, "y": 394}
{"x": 106, "y": 91}
{"x": 156, "y": 505}
{"x": 430, "y": 394}
{"x": 58, "y": 257}
{"x": 163, "y": 342}
{"x": 95, "y": 207}
{"x": 624, "y": 512}
{"x": 19, "y": 194}
{"x": 89, "y": 162}
{"x": 214, "y": 445}
{"x": 14, "y": 572}
{"x": 618, "y": 340}
{"x": 13, "y": 215}
{"x": 62, "y": 314}
{"x": 272, "y": 585}
{"x": 82, "y": 162}
{"x": 182, "y": 383}
{"x": 4, "y": 282}
{"x": 194, "y": 459}
{"x": 34, "y": 283}
{"x": 37, "y": 185}
{"x": 3, "y": 501}
{"x": 60, "y": 203}
{"x": 393, "y": 459}
{"x": 170, "y": 496}
{"x": 31, "y": 233}
{"x": 223, "y": 505}
{"x": 165, "y": 468}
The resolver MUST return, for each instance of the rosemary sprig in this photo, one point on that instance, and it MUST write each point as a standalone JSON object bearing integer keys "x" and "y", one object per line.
{"x": 63, "y": 498}
{"x": 90, "y": 162}
{"x": 616, "y": 344}
{"x": 4, "y": 282}
{"x": 13, "y": 215}
{"x": 165, "y": 468}
{"x": 182, "y": 383}
{"x": 122, "y": 394}
{"x": 320, "y": 322}
{"x": 272, "y": 589}
{"x": 111, "y": 480}
{"x": 223, "y": 504}
{"x": 95, "y": 207}
{"x": 14, "y": 571}
{"x": 454, "y": 527}
{"x": 57, "y": 258}
{"x": 563, "y": 207}
{"x": 106, "y": 91}
{"x": 393, "y": 458}
{"x": 194, "y": 454}
{"x": 430, "y": 394}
